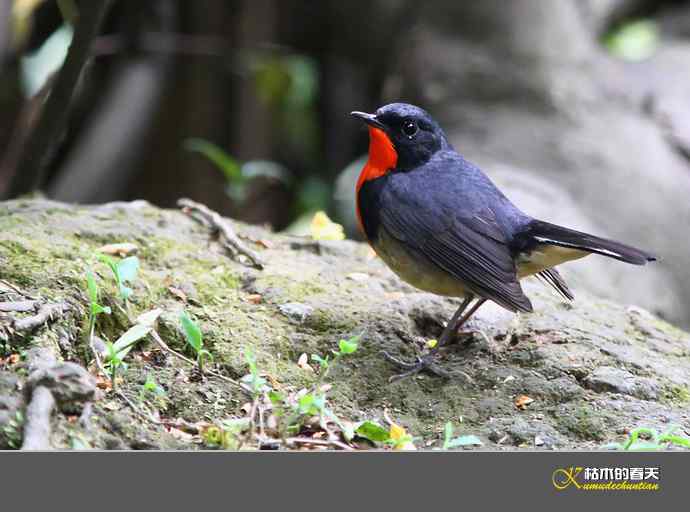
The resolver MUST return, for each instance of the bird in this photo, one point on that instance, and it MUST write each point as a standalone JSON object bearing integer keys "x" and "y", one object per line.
{"x": 440, "y": 223}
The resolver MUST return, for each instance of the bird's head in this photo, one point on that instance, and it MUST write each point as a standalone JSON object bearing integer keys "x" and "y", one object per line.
{"x": 402, "y": 136}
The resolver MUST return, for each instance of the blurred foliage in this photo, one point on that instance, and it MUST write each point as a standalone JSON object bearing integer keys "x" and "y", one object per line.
{"x": 41, "y": 64}
{"x": 237, "y": 175}
{"x": 22, "y": 20}
{"x": 288, "y": 84}
{"x": 635, "y": 40}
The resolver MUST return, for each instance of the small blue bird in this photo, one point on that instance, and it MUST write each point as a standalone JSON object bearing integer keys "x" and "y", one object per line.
{"x": 443, "y": 226}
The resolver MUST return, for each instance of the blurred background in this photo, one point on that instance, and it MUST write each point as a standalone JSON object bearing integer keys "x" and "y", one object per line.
{"x": 579, "y": 109}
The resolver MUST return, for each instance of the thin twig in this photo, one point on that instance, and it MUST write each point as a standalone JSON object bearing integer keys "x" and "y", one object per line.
{"x": 137, "y": 410}
{"x": 96, "y": 355}
{"x": 228, "y": 237}
{"x": 320, "y": 442}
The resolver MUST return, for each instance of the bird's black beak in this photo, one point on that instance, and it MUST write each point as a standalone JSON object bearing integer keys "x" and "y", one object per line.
{"x": 370, "y": 119}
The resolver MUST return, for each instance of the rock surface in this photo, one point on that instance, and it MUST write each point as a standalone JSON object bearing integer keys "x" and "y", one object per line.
{"x": 593, "y": 369}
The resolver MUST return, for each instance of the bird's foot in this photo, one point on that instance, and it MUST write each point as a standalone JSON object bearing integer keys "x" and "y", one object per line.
{"x": 424, "y": 363}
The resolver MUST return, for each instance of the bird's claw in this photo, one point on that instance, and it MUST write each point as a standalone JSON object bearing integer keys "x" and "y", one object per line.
{"x": 426, "y": 363}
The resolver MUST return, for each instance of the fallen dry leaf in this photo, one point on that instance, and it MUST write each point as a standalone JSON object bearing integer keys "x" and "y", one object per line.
{"x": 178, "y": 293}
{"x": 302, "y": 362}
{"x": 254, "y": 298}
{"x": 122, "y": 250}
{"x": 103, "y": 383}
{"x": 522, "y": 401}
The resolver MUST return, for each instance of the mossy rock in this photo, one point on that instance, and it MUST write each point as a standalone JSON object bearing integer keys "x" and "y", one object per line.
{"x": 47, "y": 247}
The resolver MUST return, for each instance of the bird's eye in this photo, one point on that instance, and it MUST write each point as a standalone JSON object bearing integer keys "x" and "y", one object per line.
{"x": 410, "y": 128}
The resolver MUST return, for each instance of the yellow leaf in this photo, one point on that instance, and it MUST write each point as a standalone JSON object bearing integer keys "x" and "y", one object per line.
{"x": 401, "y": 439}
{"x": 397, "y": 432}
{"x": 431, "y": 343}
{"x": 323, "y": 228}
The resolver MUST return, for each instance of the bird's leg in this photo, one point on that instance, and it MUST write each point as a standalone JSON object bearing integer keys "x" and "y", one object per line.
{"x": 427, "y": 362}
{"x": 456, "y": 323}
{"x": 453, "y": 324}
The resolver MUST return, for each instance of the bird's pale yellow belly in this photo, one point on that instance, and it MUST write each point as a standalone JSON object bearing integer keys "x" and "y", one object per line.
{"x": 416, "y": 270}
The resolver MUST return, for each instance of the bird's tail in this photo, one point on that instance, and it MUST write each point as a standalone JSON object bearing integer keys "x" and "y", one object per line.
{"x": 551, "y": 234}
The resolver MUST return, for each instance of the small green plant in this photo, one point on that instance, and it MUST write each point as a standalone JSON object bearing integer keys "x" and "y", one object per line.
{"x": 195, "y": 339}
{"x": 117, "y": 351}
{"x": 95, "y": 308}
{"x": 450, "y": 442}
{"x": 648, "y": 439}
{"x": 396, "y": 437}
{"x": 253, "y": 379}
{"x": 13, "y": 430}
{"x": 345, "y": 347}
{"x": 227, "y": 434}
{"x": 125, "y": 271}
{"x": 151, "y": 390}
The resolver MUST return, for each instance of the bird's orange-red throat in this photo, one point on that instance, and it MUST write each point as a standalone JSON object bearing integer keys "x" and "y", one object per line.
{"x": 382, "y": 158}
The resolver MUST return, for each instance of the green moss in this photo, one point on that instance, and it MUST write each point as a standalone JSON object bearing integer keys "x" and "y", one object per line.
{"x": 290, "y": 288}
{"x": 676, "y": 395}
{"x": 584, "y": 423}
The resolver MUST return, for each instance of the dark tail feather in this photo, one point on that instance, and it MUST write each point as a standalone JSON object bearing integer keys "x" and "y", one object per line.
{"x": 553, "y": 278}
{"x": 546, "y": 233}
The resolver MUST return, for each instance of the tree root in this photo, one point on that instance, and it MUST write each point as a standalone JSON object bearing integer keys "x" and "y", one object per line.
{"x": 218, "y": 224}
{"x": 51, "y": 385}
{"x": 46, "y": 313}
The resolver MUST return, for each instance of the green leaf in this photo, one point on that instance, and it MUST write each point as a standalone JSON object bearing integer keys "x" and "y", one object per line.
{"x": 228, "y": 165}
{"x": 192, "y": 332}
{"x": 134, "y": 334}
{"x": 276, "y": 397}
{"x": 348, "y": 346}
{"x": 633, "y": 41}
{"x": 635, "y": 434}
{"x": 110, "y": 262}
{"x": 463, "y": 441}
{"x": 150, "y": 317}
{"x": 675, "y": 439}
{"x": 323, "y": 363}
{"x": 112, "y": 356}
{"x": 92, "y": 287}
{"x": 373, "y": 431}
{"x": 128, "y": 268}
{"x": 311, "y": 404}
{"x": 97, "y": 309}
